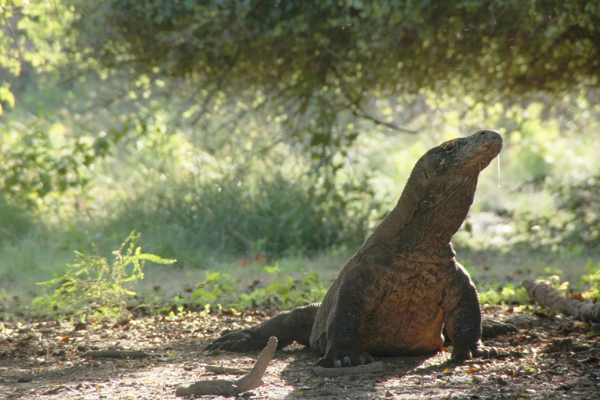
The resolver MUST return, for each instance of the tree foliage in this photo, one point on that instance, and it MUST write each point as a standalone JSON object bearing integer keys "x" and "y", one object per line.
{"x": 34, "y": 165}
{"x": 508, "y": 46}
{"x": 308, "y": 72}
{"x": 314, "y": 64}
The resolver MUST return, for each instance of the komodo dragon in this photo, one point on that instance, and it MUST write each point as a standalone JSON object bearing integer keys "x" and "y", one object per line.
{"x": 403, "y": 289}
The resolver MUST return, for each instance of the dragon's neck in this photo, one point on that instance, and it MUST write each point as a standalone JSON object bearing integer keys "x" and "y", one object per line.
{"x": 416, "y": 230}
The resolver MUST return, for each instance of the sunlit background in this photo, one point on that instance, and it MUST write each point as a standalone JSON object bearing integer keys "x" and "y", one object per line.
{"x": 236, "y": 135}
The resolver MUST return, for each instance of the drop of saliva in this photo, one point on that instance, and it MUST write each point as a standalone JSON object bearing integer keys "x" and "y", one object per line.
{"x": 499, "y": 170}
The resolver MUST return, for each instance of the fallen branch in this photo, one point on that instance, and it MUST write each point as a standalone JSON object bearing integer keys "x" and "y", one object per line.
{"x": 358, "y": 370}
{"x": 114, "y": 353}
{"x": 230, "y": 388}
{"x": 546, "y": 295}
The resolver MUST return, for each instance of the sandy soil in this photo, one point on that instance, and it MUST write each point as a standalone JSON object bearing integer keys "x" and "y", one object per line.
{"x": 550, "y": 357}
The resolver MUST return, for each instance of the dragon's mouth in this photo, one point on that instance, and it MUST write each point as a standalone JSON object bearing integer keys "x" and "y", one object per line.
{"x": 489, "y": 149}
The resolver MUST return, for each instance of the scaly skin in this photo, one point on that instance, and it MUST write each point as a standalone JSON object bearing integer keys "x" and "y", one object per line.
{"x": 403, "y": 289}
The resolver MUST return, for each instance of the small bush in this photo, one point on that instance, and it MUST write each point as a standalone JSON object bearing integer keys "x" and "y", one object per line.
{"x": 92, "y": 287}
{"x": 582, "y": 200}
{"x": 497, "y": 293}
{"x": 16, "y": 221}
{"x": 592, "y": 280}
{"x": 220, "y": 290}
{"x": 35, "y": 166}
{"x": 275, "y": 216}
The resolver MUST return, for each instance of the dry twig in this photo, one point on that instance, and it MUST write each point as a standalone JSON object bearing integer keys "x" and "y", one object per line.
{"x": 114, "y": 353}
{"x": 224, "y": 387}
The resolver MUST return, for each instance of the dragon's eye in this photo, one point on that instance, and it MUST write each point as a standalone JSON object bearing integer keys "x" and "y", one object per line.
{"x": 448, "y": 147}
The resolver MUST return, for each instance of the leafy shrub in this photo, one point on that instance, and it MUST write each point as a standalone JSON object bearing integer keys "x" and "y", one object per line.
{"x": 592, "y": 280}
{"x": 582, "y": 200}
{"x": 16, "y": 220}
{"x": 274, "y": 215}
{"x": 496, "y": 293}
{"x": 92, "y": 287}
{"x": 33, "y": 165}
{"x": 575, "y": 222}
{"x": 221, "y": 290}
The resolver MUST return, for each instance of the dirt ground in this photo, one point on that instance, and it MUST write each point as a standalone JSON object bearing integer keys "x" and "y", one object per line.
{"x": 550, "y": 357}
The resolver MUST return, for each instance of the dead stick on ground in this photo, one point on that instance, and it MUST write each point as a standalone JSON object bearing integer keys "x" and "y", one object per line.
{"x": 357, "y": 370}
{"x": 547, "y": 296}
{"x": 114, "y": 353}
{"x": 229, "y": 388}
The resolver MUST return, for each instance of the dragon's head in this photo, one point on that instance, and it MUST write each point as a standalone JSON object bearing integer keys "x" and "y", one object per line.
{"x": 460, "y": 157}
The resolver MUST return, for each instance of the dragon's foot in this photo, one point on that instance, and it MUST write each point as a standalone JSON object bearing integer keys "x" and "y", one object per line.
{"x": 344, "y": 358}
{"x": 462, "y": 353}
{"x": 492, "y": 328}
{"x": 237, "y": 341}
